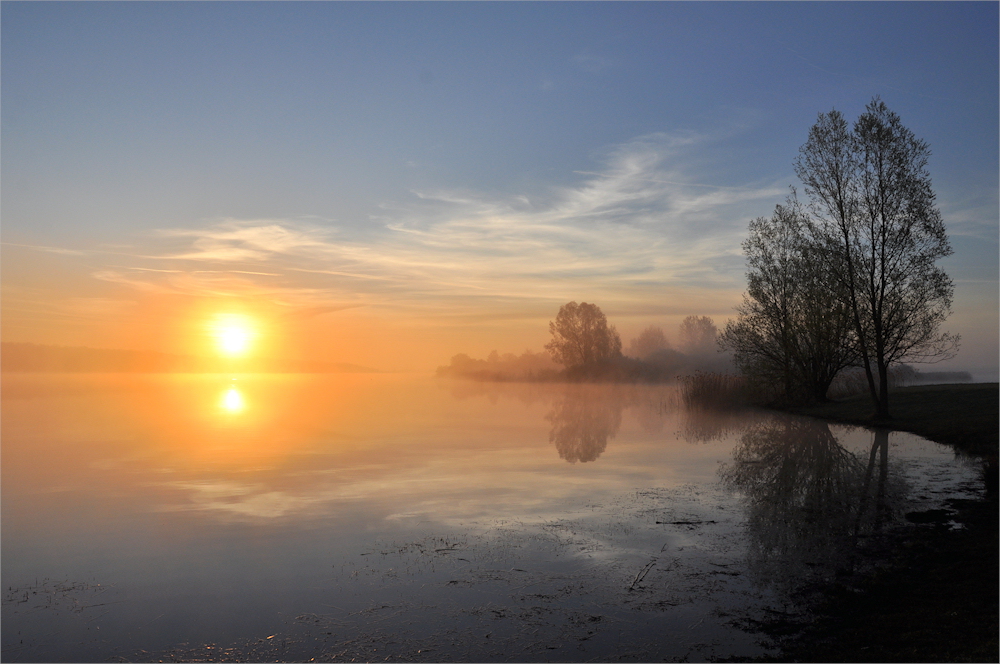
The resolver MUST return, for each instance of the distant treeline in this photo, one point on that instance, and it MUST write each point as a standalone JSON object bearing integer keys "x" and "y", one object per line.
{"x": 507, "y": 367}
{"x": 649, "y": 358}
{"x": 659, "y": 365}
{"x": 852, "y": 381}
{"x": 28, "y": 357}
{"x": 727, "y": 390}
{"x": 664, "y": 366}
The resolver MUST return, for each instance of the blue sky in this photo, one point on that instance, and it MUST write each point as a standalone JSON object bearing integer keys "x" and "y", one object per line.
{"x": 454, "y": 170}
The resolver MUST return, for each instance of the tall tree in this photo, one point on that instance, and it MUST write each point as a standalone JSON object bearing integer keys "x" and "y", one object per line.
{"x": 879, "y": 233}
{"x": 791, "y": 332}
{"x": 581, "y": 336}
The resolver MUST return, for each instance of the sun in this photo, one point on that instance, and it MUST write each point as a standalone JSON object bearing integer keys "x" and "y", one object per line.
{"x": 233, "y": 333}
{"x": 234, "y": 340}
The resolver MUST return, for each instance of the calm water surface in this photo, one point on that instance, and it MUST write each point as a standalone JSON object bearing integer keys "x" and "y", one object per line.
{"x": 396, "y": 517}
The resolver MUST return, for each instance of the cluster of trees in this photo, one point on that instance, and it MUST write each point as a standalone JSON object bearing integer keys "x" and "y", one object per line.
{"x": 698, "y": 335}
{"x": 587, "y": 347}
{"x": 848, "y": 277}
{"x": 584, "y": 342}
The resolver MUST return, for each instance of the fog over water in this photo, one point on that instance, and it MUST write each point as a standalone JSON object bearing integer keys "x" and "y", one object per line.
{"x": 390, "y": 515}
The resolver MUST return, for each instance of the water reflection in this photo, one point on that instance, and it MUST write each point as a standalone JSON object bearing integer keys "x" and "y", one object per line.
{"x": 232, "y": 400}
{"x": 392, "y": 496}
{"x": 582, "y": 423}
{"x": 583, "y": 418}
{"x": 809, "y": 500}
{"x": 702, "y": 425}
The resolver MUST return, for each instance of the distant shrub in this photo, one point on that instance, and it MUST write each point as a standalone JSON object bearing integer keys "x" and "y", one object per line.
{"x": 852, "y": 382}
{"x": 649, "y": 341}
{"x": 621, "y": 369}
{"x": 507, "y": 367}
{"x": 939, "y": 377}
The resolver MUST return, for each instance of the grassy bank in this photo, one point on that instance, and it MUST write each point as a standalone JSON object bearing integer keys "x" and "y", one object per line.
{"x": 938, "y": 601}
{"x": 964, "y": 415}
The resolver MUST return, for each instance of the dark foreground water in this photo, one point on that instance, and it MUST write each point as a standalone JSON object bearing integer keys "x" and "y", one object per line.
{"x": 388, "y": 517}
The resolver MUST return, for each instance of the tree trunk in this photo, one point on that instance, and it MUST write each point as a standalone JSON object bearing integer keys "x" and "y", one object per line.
{"x": 820, "y": 388}
{"x": 882, "y": 404}
{"x": 872, "y": 388}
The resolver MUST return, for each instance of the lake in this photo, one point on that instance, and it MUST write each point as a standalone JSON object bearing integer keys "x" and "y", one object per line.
{"x": 398, "y": 517}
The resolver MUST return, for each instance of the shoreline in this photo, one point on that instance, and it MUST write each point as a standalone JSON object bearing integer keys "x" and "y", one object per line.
{"x": 962, "y": 415}
{"x": 938, "y": 600}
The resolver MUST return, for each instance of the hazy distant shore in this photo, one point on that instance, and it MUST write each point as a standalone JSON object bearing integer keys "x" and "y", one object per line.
{"x": 665, "y": 366}
{"x": 19, "y": 357}
{"x": 668, "y": 367}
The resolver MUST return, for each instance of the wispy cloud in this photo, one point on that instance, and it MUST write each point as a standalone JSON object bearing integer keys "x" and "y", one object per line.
{"x": 973, "y": 219}
{"x": 252, "y": 241}
{"x": 643, "y": 219}
{"x": 51, "y": 250}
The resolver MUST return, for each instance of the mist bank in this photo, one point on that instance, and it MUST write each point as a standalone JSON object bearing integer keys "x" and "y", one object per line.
{"x": 661, "y": 366}
{"x": 664, "y": 365}
{"x": 37, "y": 358}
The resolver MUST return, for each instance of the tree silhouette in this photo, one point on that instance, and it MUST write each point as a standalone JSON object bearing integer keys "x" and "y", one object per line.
{"x": 581, "y": 336}
{"x": 875, "y": 224}
{"x": 792, "y": 333}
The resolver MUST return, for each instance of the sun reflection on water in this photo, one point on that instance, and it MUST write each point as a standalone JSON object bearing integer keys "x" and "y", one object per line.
{"x": 232, "y": 401}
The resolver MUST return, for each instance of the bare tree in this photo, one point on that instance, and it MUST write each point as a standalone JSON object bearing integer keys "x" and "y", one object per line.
{"x": 875, "y": 224}
{"x": 581, "y": 336}
{"x": 792, "y": 332}
{"x": 648, "y": 342}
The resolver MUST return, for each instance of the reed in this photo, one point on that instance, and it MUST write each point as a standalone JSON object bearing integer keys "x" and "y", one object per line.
{"x": 716, "y": 390}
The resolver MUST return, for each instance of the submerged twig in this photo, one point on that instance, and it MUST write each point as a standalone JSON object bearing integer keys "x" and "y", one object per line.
{"x": 642, "y": 573}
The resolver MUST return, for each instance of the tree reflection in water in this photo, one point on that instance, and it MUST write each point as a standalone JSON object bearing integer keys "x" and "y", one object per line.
{"x": 809, "y": 500}
{"x": 583, "y": 417}
{"x": 583, "y": 421}
{"x": 703, "y": 424}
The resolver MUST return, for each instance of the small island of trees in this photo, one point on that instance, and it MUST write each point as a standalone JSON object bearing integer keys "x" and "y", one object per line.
{"x": 585, "y": 348}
